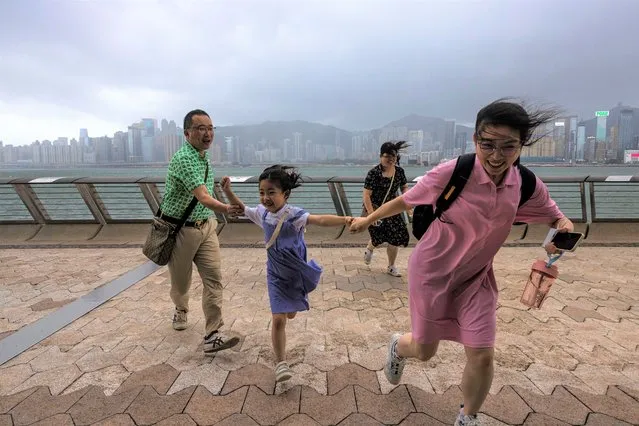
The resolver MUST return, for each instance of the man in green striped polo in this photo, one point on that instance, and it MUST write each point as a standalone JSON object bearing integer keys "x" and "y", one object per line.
{"x": 197, "y": 240}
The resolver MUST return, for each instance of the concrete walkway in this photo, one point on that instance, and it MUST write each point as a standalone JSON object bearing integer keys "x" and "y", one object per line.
{"x": 575, "y": 361}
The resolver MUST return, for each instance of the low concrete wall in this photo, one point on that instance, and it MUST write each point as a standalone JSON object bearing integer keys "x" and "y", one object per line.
{"x": 11, "y": 234}
{"x": 129, "y": 233}
{"x": 248, "y": 234}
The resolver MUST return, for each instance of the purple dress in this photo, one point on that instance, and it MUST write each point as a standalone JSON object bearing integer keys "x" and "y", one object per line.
{"x": 289, "y": 276}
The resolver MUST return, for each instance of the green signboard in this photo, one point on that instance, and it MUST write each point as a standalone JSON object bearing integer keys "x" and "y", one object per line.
{"x": 602, "y": 113}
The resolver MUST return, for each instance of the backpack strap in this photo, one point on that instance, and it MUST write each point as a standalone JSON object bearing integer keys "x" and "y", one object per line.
{"x": 528, "y": 184}
{"x": 461, "y": 174}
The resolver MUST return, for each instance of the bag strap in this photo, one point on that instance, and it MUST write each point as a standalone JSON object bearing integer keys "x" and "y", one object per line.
{"x": 461, "y": 174}
{"x": 191, "y": 206}
{"x": 277, "y": 230}
{"x": 528, "y": 184}
{"x": 389, "y": 188}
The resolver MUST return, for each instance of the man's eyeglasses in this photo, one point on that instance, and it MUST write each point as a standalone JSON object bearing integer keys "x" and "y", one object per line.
{"x": 203, "y": 129}
{"x": 506, "y": 151}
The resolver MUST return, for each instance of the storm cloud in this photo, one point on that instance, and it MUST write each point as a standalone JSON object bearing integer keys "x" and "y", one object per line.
{"x": 354, "y": 64}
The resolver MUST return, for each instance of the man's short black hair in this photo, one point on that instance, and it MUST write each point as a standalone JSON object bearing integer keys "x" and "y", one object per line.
{"x": 188, "y": 118}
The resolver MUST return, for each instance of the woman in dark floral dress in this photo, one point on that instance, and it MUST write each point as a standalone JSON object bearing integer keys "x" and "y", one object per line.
{"x": 381, "y": 185}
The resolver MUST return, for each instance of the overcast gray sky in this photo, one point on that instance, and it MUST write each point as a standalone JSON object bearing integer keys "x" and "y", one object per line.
{"x": 356, "y": 64}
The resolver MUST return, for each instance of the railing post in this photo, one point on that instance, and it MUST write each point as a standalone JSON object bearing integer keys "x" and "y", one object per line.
{"x": 584, "y": 208}
{"x": 151, "y": 195}
{"x": 593, "y": 207}
{"x": 94, "y": 202}
{"x": 342, "y": 207}
{"x": 217, "y": 193}
{"x": 32, "y": 202}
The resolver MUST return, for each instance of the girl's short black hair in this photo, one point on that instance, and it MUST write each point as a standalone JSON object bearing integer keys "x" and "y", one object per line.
{"x": 286, "y": 177}
{"x": 393, "y": 148}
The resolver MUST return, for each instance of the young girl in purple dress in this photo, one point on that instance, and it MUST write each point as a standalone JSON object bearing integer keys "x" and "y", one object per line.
{"x": 289, "y": 276}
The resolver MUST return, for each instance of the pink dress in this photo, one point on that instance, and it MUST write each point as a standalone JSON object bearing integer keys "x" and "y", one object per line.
{"x": 451, "y": 284}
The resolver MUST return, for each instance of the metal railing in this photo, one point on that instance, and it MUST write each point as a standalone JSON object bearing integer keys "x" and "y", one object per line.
{"x": 106, "y": 200}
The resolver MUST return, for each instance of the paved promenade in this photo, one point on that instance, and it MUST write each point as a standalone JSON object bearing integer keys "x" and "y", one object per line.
{"x": 575, "y": 361}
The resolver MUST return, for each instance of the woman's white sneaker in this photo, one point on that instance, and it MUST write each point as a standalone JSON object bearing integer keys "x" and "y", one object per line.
{"x": 393, "y": 271}
{"x": 368, "y": 256}
{"x": 282, "y": 372}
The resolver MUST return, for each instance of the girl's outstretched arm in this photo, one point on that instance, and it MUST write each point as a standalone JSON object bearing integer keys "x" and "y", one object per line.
{"x": 228, "y": 191}
{"x": 328, "y": 220}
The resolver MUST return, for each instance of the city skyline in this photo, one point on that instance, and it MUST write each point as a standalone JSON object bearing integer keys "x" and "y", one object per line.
{"x": 612, "y": 136}
{"x": 178, "y": 122}
{"x": 98, "y": 64}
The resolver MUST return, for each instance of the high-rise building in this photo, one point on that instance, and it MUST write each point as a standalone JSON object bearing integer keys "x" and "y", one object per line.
{"x": 460, "y": 142}
{"x": 416, "y": 140}
{"x": 626, "y": 131}
{"x": 602, "y": 130}
{"x": 581, "y": 142}
{"x": 449, "y": 139}
{"x": 84, "y": 137}
{"x": 300, "y": 149}
{"x": 120, "y": 147}
{"x": 134, "y": 151}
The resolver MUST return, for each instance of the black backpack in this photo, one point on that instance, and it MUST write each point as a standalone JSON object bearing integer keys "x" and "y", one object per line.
{"x": 424, "y": 215}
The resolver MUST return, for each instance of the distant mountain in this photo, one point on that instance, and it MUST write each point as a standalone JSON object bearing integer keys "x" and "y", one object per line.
{"x": 276, "y": 131}
{"x": 417, "y": 122}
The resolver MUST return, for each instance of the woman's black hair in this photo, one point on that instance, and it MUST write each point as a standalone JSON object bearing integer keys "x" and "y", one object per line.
{"x": 393, "y": 148}
{"x": 286, "y": 177}
{"x": 526, "y": 120}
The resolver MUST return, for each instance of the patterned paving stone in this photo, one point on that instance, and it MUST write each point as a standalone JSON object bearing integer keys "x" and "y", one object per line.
{"x": 506, "y": 406}
{"x": 421, "y": 419}
{"x": 328, "y": 410}
{"x": 538, "y": 419}
{"x": 41, "y": 405}
{"x": 441, "y": 407}
{"x": 95, "y": 406}
{"x": 561, "y": 405}
{"x": 271, "y": 409}
{"x": 206, "y": 408}
{"x": 10, "y": 401}
{"x": 117, "y": 420}
{"x": 237, "y": 420}
{"x": 160, "y": 377}
{"x": 149, "y": 407}
{"x": 360, "y": 419}
{"x": 615, "y": 404}
{"x": 177, "y": 420}
{"x": 388, "y": 409}
{"x": 350, "y": 374}
{"x": 298, "y": 420}
{"x": 256, "y": 374}
{"x": 336, "y": 347}
{"x": 57, "y": 420}
{"x": 598, "y": 419}
{"x": 55, "y": 277}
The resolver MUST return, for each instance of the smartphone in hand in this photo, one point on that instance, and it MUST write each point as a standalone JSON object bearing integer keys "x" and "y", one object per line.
{"x": 567, "y": 241}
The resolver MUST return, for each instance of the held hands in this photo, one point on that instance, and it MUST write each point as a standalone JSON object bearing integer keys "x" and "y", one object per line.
{"x": 359, "y": 224}
{"x": 348, "y": 220}
{"x": 233, "y": 210}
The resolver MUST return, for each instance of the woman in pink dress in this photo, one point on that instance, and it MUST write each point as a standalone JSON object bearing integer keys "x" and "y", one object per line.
{"x": 452, "y": 288}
